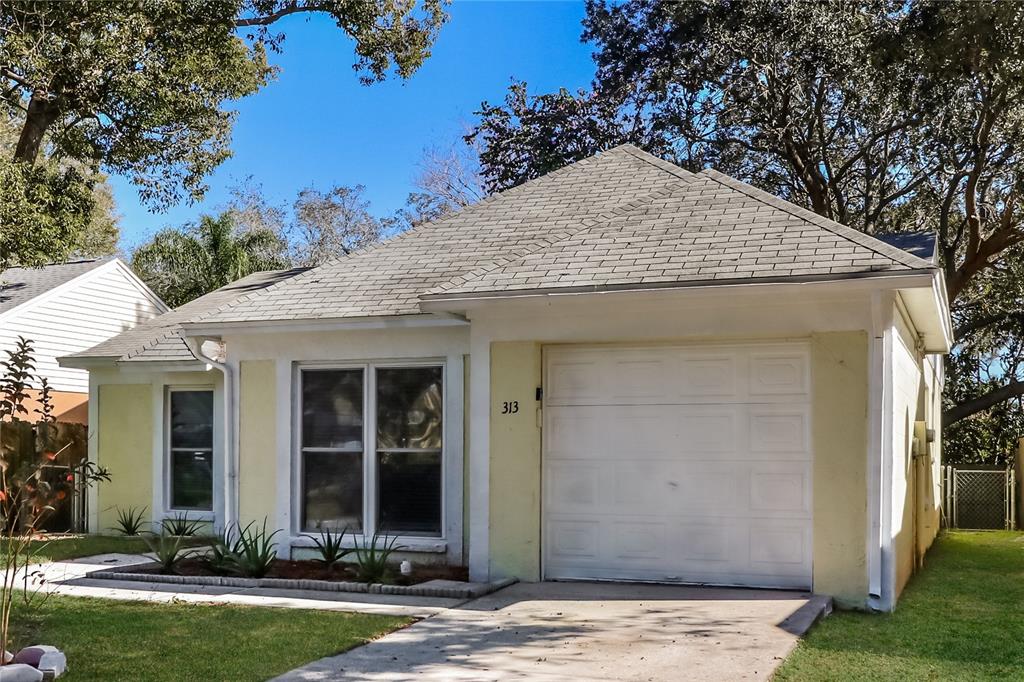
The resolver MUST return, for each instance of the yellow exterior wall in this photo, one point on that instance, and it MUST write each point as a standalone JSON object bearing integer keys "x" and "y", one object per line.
{"x": 125, "y": 448}
{"x": 839, "y": 370}
{"x": 257, "y": 441}
{"x": 515, "y": 464}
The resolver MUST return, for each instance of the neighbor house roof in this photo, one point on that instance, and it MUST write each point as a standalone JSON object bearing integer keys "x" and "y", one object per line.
{"x": 160, "y": 340}
{"x": 622, "y": 218}
{"x": 21, "y": 285}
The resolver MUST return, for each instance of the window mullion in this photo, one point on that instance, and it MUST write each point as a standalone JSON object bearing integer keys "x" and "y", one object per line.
{"x": 370, "y": 452}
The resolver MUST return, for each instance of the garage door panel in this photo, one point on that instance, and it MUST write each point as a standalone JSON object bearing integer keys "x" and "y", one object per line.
{"x": 678, "y": 464}
{"x": 781, "y": 490}
{"x": 773, "y": 374}
{"x": 780, "y": 430}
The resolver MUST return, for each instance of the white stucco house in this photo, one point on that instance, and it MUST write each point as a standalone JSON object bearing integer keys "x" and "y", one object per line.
{"x": 618, "y": 371}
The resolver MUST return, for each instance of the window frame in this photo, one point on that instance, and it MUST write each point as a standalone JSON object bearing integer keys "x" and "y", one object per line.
{"x": 370, "y": 478}
{"x": 168, "y": 459}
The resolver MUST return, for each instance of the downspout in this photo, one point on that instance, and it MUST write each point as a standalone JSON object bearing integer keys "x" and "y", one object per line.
{"x": 195, "y": 344}
{"x": 881, "y": 567}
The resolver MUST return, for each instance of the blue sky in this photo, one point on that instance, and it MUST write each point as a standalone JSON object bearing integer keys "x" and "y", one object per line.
{"x": 316, "y": 125}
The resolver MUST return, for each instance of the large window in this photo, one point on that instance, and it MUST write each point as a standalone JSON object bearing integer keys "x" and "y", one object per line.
{"x": 190, "y": 446}
{"x": 389, "y": 469}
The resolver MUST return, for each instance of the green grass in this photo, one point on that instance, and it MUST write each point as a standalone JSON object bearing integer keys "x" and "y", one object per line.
{"x": 62, "y": 548}
{"x": 961, "y": 618}
{"x": 121, "y": 640}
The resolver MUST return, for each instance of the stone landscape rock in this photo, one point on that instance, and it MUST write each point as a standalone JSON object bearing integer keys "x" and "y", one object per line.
{"x": 30, "y": 655}
{"x": 53, "y": 663}
{"x": 20, "y": 672}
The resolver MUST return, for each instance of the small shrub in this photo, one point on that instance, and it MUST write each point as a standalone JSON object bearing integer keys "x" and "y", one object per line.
{"x": 373, "y": 559}
{"x": 167, "y": 549}
{"x": 330, "y": 547}
{"x": 181, "y": 525}
{"x": 255, "y": 551}
{"x": 130, "y": 521}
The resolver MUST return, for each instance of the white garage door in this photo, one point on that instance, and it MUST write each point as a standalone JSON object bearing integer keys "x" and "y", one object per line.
{"x": 689, "y": 464}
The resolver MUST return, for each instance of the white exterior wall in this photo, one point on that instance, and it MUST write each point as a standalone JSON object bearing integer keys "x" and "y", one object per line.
{"x": 76, "y": 316}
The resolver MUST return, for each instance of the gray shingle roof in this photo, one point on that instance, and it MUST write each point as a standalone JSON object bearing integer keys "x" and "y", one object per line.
{"x": 388, "y": 279}
{"x": 705, "y": 228}
{"x": 921, "y": 244}
{"x": 20, "y": 285}
{"x": 159, "y": 339}
{"x": 621, "y": 218}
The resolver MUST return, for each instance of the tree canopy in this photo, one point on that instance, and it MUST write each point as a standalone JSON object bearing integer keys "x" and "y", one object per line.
{"x": 143, "y": 89}
{"x": 883, "y": 115}
{"x": 182, "y": 265}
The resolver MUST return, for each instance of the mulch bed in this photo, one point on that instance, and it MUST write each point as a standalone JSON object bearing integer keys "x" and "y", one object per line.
{"x": 314, "y": 570}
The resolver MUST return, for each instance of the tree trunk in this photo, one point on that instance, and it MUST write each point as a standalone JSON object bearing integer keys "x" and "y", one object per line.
{"x": 982, "y": 403}
{"x": 42, "y": 112}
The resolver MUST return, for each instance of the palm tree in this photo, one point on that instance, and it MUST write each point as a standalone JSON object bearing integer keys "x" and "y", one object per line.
{"x": 182, "y": 265}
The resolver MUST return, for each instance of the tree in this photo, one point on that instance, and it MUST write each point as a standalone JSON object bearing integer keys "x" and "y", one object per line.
{"x": 142, "y": 89}
{"x": 97, "y": 236}
{"x": 332, "y": 223}
{"x": 182, "y": 265}
{"x": 448, "y": 180}
{"x": 882, "y": 115}
{"x": 317, "y": 226}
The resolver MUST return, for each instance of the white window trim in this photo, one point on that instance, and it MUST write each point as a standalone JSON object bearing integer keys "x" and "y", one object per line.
{"x": 169, "y": 511}
{"x": 302, "y": 537}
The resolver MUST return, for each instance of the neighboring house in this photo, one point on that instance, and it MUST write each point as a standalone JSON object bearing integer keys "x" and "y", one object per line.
{"x": 66, "y": 308}
{"x": 620, "y": 370}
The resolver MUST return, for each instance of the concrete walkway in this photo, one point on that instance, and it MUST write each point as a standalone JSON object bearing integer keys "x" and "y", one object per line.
{"x": 588, "y": 631}
{"x": 70, "y": 578}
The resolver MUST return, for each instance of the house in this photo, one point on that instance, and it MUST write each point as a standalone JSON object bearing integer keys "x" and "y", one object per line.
{"x": 65, "y": 308}
{"x": 620, "y": 370}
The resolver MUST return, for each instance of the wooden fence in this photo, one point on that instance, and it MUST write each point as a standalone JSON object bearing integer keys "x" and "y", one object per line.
{"x": 19, "y": 443}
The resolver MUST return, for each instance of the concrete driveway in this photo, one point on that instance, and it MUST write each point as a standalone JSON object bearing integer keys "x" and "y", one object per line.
{"x": 588, "y": 631}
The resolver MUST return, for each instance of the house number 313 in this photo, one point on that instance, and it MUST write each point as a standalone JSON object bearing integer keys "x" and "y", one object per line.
{"x": 510, "y": 407}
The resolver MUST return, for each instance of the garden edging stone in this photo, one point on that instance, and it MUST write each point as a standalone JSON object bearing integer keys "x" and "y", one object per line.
{"x": 450, "y": 589}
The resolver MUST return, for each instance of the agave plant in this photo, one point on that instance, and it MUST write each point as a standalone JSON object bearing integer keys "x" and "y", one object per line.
{"x": 373, "y": 559}
{"x": 221, "y": 558}
{"x": 254, "y": 551}
{"x": 130, "y": 520}
{"x": 331, "y": 547}
{"x": 181, "y": 525}
{"x": 168, "y": 550}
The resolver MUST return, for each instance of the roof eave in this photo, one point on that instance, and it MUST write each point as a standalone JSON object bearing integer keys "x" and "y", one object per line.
{"x": 216, "y": 329}
{"x": 457, "y": 302}
{"x": 929, "y": 309}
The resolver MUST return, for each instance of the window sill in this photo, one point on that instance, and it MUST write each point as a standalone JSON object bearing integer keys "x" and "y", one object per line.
{"x": 402, "y": 544}
{"x": 193, "y": 515}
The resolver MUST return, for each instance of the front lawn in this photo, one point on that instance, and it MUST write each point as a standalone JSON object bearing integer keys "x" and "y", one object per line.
{"x": 121, "y": 640}
{"x": 961, "y": 618}
{"x": 60, "y": 548}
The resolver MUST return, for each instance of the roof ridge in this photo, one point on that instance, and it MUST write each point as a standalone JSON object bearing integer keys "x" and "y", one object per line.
{"x": 657, "y": 162}
{"x": 153, "y": 342}
{"x": 541, "y": 244}
{"x": 486, "y": 201}
{"x": 836, "y": 228}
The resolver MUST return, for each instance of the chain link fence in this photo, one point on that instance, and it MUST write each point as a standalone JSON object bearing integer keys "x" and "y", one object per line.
{"x": 980, "y": 499}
